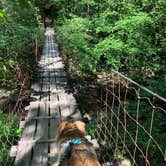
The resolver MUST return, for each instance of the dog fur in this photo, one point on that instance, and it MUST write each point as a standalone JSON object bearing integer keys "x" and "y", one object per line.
{"x": 81, "y": 154}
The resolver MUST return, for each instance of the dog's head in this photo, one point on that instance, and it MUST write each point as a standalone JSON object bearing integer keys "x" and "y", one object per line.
{"x": 77, "y": 125}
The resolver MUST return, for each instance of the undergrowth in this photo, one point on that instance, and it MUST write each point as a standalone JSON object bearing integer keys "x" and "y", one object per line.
{"x": 9, "y": 133}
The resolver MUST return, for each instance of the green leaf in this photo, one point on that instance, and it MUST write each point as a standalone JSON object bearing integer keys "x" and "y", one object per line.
{"x": 1, "y": 14}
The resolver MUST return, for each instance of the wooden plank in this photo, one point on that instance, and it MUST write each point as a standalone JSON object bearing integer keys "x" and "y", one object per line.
{"x": 33, "y": 111}
{"x": 64, "y": 104}
{"x": 29, "y": 129}
{"x": 70, "y": 111}
{"x": 40, "y": 79}
{"x": 52, "y": 79}
{"x": 46, "y": 87}
{"x": 67, "y": 98}
{"x": 53, "y": 87}
{"x": 68, "y": 106}
{"x": 58, "y": 65}
{"x": 40, "y": 152}
{"x": 35, "y": 96}
{"x": 24, "y": 148}
{"x": 42, "y": 124}
{"x": 54, "y": 111}
{"x": 45, "y": 95}
{"x": 65, "y": 112}
{"x": 62, "y": 80}
{"x": 61, "y": 70}
{"x": 46, "y": 79}
{"x": 40, "y": 156}
{"x": 75, "y": 112}
{"x": 61, "y": 86}
{"x": 52, "y": 83}
{"x": 41, "y": 117}
{"x": 36, "y": 87}
{"x": 53, "y": 96}
{"x": 52, "y": 73}
{"x": 23, "y": 154}
{"x": 44, "y": 73}
{"x": 53, "y": 155}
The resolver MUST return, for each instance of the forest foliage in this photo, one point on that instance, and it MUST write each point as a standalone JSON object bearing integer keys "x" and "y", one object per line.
{"x": 129, "y": 36}
{"x": 19, "y": 28}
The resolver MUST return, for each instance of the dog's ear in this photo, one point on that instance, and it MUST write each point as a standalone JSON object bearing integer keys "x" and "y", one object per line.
{"x": 80, "y": 125}
{"x": 61, "y": 126}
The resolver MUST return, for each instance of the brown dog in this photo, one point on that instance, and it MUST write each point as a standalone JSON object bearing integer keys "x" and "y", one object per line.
{"x": 74, "y": 149}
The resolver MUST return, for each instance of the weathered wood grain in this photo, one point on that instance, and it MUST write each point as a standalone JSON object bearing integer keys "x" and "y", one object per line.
{"x": 54, "y": 111}
{"x": 36, "y": 86}
{"x": 40, "y": 151}
{"x": 24, "y": 147}
{"x": 23, "y": 154}
{"x": 42, "y": 124}
{"x": 40, "y": 156}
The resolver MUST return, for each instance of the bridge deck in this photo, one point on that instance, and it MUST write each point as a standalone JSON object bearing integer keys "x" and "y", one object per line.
{"x": 52, "y": 101}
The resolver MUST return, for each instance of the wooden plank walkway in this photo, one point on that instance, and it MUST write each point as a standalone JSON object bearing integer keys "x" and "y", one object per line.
{"x": 52, "y": 102}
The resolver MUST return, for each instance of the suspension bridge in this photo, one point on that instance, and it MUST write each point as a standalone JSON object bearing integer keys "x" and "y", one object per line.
{"x": 53, "y": 102}
{"x": 127, "y": 117}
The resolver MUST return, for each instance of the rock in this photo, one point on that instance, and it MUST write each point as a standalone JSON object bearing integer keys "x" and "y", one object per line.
{"x": 125, "y": 162}
{"x": 13, "y": 151}
{"x": 88, "y": 137}
{"x": 27, "y": 108}
{"x": 88, "y": 116}
{"x": 122, "y": 162}
{"x": 22, "y": 124}
{"x": 107, "y": 164}
{"x": 95, "y": 143}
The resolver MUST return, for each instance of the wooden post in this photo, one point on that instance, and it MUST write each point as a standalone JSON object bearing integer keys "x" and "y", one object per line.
{"x": 88, "y": 11}
{"x": 36, "y": 50}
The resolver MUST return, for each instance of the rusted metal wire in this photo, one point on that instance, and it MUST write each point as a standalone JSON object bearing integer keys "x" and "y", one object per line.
{"x": 130, "y": 123}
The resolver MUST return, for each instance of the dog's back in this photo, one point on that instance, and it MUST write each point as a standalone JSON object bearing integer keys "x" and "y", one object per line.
{"x": 74, "y": 153}
{"x": 82, "y": 155}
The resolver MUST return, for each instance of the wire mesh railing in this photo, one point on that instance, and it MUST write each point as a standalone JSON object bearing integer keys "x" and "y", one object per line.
{"x": 129, "y": 124}
{"x": 11, "y": 112}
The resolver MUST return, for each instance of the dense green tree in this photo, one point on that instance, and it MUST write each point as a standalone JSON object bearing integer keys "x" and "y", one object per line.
{"x": 19, "y": 27}
{"x": 126, "y": 35}
{"x": 19, "y": 24}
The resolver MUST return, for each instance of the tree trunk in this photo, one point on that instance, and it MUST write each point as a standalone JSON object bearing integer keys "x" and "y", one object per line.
{"x": 88, "y": 11}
